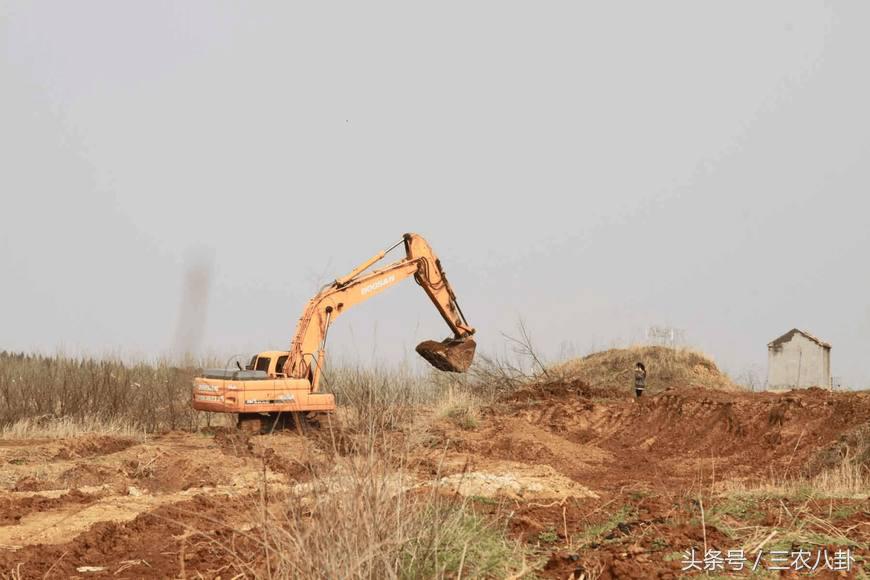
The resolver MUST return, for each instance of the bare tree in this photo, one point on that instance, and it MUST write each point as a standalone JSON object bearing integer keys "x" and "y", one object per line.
{"x": 752, "y": 378}
{"x": 523, "y": 346}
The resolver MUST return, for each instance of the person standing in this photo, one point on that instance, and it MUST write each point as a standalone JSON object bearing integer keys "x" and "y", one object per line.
{"x": 639, "y": 380}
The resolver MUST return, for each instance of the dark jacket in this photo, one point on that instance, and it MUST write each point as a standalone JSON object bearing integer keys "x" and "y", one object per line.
{"x": 639, "y": 378}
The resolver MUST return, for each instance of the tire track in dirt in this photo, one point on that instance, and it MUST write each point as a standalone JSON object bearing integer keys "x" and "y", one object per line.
{"x": 58, "y": 525}
{"x": 63, "y": 502}
{"x": 199, "y": 534}
{"x": 16, "y": 505}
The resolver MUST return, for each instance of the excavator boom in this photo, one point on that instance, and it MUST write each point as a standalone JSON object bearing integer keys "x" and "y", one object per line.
{"x": 278, "y": 382}
{"x": 307, "y": 348}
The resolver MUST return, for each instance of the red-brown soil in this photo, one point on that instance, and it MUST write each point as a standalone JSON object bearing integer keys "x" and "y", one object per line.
{"x": 653, "y": 459}
{"x": 592, "y": 482}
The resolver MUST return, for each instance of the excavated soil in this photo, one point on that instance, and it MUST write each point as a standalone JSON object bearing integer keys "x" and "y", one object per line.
{"x": 449, "y": 355}
{"x": 593, "y": 485}
{"x": 15, "y": 507}
{"x": 516, "y": 481}
{"x": 649, "y": 461}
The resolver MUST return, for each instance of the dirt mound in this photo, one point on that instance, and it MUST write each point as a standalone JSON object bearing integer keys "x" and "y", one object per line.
{"x": 649, "y": 460}
{"x": 156, "y": 544}
{"x": 568, "y": 425}
{"x": 853, "y": 446}
{"x": 87, "y": 474}
{"x": 13, "y": 508}
{"x": 547, "y": 390}
{"x": 516, "y": 481}
{"x": 93, "y": 445}
{"x": 750, "y": 433}
{"x": 234, "y": 442}
{"x": 613, "y": 369}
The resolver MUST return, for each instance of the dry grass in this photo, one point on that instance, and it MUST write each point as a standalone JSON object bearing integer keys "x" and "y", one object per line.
{"x": 849, "y": 480}
{"x": 56, "y": 396}
{"x": 852, "y": 447}
{"x": 459, "y": 407}
{"x": 63, "y": 427}
{"x": 397, "y": 399}
{"x": 783, "y": 513}
{"x": 358, "y": 512}
{"x": 362, "y": 513}
{"x": 383, "y": 399}
{"x": 369, "y": 522}
{"x": 70, "y": 392}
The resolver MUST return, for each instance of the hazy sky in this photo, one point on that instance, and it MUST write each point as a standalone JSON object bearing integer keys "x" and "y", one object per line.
{"x": 595, "y": 168}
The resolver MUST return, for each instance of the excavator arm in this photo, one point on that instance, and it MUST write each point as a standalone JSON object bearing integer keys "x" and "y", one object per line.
{"x": 307, "y": 349}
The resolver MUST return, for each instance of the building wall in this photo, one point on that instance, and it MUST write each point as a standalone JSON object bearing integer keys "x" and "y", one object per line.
{"x": 800, "y": 362}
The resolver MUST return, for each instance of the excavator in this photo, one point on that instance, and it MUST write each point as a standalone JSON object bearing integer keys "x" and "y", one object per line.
{"x": 287, "y": 383}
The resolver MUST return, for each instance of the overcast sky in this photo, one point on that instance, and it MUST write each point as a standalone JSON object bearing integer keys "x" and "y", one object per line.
{"x": 595, "y": 168}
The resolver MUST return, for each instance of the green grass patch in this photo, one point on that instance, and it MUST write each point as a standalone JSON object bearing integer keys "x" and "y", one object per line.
{"x": 597, "y": 534}
{"x": 845, "y": 511}
{"x": 483, "y": 499}
{"x": 743, "y": 508}
{"x": 659, "y": 544}
{"x": 733, "y": 512}
{"x": 462, "y": 540}
{"x": 548, "y": 536}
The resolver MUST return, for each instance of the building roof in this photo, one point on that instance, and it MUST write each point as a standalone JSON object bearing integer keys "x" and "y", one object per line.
{"x": 788, "y": 335}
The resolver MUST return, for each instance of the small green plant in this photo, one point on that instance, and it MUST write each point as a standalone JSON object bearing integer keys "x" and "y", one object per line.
{"x": 844, "y": 511}
{"x": 737, "y": 506}
{"x": 548, "y": 536}
{"x": 459, "y": 408}
{"x": 659, "y": 544}
{"x": 483, "y": 499}
{"x": 458, "y": 541}
{"x": 599, "y": 533}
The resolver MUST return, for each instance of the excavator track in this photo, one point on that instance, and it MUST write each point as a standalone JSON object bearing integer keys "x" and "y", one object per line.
{"x": 256, "y": 423}
{"x": 251, "y": 422}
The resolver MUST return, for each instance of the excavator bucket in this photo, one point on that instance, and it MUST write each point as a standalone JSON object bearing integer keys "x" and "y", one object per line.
{"x": 452, "y": 355}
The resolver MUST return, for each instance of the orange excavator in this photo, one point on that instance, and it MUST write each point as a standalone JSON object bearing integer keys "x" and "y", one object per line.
{"x": 287, "y": 383}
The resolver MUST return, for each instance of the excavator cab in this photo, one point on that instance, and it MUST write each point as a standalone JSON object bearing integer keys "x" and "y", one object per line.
{"x": 270, "y": 362}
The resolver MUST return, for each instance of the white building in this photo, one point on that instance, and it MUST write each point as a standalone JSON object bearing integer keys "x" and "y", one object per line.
{"x": 798, "y": 359}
